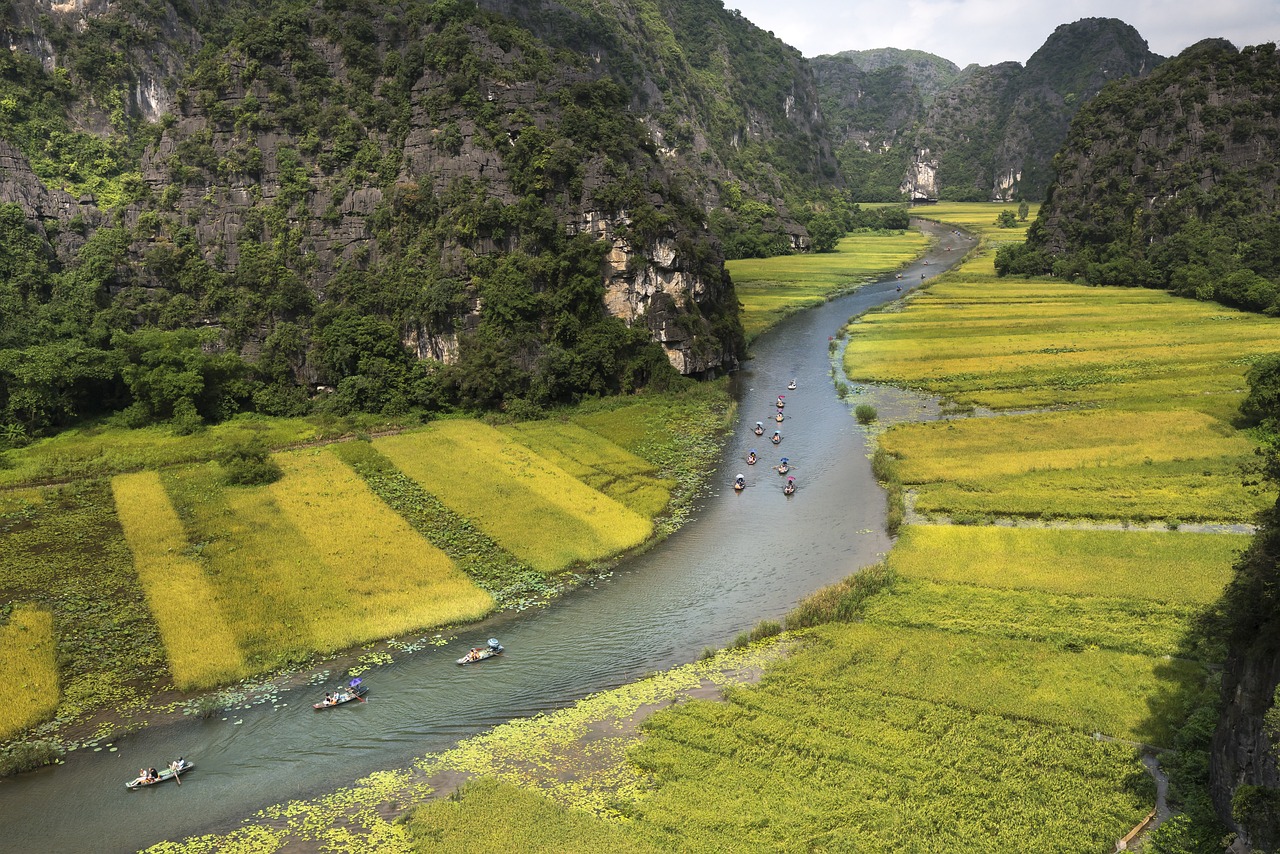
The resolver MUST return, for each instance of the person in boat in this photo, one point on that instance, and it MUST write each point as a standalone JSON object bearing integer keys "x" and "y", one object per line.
{"x": 777, "y": 437}
{"x": 142, "y": 775}
{"x": 739, "y": 482}
{"x": 783, "y": 466}
{"x": 751, "y": 457}
{"x": 759, "y": 428}
{"x": 791, "y": 385}
{"x": 152, "y": 775}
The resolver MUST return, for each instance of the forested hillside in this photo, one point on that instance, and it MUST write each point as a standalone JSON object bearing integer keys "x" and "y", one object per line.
{"x": 353, "y": 205}
{"x": 913, "y": 124}
{"x": 1171, "y": 182}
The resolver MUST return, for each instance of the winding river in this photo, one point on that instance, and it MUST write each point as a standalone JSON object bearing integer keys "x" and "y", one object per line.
{"x": 742, "y": 558}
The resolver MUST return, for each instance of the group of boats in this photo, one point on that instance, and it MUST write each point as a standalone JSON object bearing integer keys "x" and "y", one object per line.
{"x": 784, "y": 466}
{"x": 353, "y": 691}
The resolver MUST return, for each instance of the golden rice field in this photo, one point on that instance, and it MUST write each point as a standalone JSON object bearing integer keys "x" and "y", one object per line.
{"x": 28, "y": 668}
{"x": 597, "y": 462}
{"x": 200, "y": 646}
{"x": 315, "y": 562}
{"x": 1173, "y": 465}
{"x": 1171, "y": 567}
{"x": 531, "y": 507}
{"x": 771, "y": 288}
{"x": 1011, "y": 344}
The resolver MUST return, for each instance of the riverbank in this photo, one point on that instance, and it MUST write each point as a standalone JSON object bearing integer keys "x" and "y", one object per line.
{"x": 69, "y": 557}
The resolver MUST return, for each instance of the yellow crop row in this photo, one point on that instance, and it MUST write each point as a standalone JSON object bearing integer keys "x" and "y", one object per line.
{"x": 201, "y": 649}
{"x": 1161, "y": 566}
{"x": 28, "y": 666}
{"x": 597, "y": 462}
{"x": 534, "y": 509}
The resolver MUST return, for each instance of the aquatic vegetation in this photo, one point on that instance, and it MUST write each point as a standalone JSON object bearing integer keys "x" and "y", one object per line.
{"x": 534, "y": 509}
{"x": 201, "y": 649}
{"x": 772, "y": 288}
{"x": 1185, "y": 568}
{"x": 28, "y": 667}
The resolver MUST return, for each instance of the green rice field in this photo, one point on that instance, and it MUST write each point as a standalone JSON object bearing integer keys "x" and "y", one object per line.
{"x": 771, "y": 288}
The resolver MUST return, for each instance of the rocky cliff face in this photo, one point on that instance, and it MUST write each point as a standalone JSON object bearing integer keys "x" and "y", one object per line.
{"x": 320, "y": 143}
{"x": 984, "y": 133}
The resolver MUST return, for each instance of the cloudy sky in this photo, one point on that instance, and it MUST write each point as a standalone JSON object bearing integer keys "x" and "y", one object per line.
{"x": 991, "y": 31}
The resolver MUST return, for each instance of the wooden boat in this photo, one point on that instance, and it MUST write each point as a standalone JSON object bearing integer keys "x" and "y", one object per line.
{"x": 777, "y": 437}
{"x": 759, "y": 430}
{"x": 739, "y": 485}
{"x": 790, "y": 487}
{"x": 779, "y": 416}
{"x": 480, "y": 653}
{"x": 182, "y": 766}
{"x": 751, "y": 459}
{"x": 345, "y": 695}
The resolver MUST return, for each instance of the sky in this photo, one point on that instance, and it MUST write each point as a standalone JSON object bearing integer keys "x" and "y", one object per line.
{"x": 992, "y": 31}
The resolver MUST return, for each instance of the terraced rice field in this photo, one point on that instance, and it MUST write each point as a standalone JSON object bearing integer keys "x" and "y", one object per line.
{"x": 534, "y": 509}
{"x": 771, "y": 288}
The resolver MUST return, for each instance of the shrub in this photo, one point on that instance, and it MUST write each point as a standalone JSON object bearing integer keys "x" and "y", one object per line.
{"x": 249, "y": 465}
{"x": 28, "y": 756}
{"x": 865, "y": 413}
{"x": 842, "y": 601}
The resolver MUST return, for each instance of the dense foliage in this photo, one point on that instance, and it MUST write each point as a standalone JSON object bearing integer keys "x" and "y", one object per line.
{"x": 382, "y": 204}
{"x": 1170, "y": 182}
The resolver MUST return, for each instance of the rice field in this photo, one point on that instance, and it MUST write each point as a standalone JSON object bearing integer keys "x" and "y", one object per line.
{"x": 1173, "y": 465}
{"x": 1011, "y": 344}
{"x": 201, "y": 649}
{"x": 28, "y": 668}
{"x": 315, "y": 562}
{"x": 531, "y": 507}
{"x": 597, "y": 462}
{"x": 1183, "y": 568}
{"x": 771, "y": 288}
{"x": 1065, "y": 622}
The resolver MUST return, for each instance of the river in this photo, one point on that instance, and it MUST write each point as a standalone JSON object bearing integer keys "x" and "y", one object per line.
{"x": 741, "y": 558}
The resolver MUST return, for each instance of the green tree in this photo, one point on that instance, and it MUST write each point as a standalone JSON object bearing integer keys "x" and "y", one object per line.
{"x": 1006, "y": 219}
{"x": 1024, "y": 210}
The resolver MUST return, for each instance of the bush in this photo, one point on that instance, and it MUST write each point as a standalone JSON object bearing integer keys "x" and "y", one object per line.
{"x": 865, "y": 413}
{"x": 249, "y": 465}
{"x": 842, "y": 601}
{"x": 28, "y": 756}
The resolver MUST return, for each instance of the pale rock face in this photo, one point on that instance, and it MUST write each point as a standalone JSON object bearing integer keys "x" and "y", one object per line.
{"x": 922, "y": 177}
{"x": 1006, "y": 186}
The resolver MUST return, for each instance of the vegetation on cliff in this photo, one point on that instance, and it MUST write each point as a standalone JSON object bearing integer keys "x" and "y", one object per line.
{"x": 1170, "y": 182}
{"x": 417, "y": 207}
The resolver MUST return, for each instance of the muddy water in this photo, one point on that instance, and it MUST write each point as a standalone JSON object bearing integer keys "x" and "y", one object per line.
{"x": 743, "y": 557}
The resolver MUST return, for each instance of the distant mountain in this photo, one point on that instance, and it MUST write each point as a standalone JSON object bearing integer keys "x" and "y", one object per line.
{"x": 984, "y": 133}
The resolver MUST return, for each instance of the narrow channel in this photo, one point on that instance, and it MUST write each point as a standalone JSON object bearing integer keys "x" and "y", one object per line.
{"x": 741, "y": 558}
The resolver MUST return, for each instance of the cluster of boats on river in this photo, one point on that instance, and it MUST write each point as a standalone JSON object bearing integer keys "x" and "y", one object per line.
{"x": 349, "y": 693}
{"x": 784, "y": 465}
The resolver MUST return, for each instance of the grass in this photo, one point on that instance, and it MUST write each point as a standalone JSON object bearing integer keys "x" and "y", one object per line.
{"x": 201, "y": 649}
{"x": 532, "y": 508}
{"x": 772, "y": 288}
{"x": 1189, "y": 569}
{"x": 28, "y": 666}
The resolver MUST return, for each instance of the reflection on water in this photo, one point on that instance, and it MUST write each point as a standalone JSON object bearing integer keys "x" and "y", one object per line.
{"x": 743, "y": 557}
